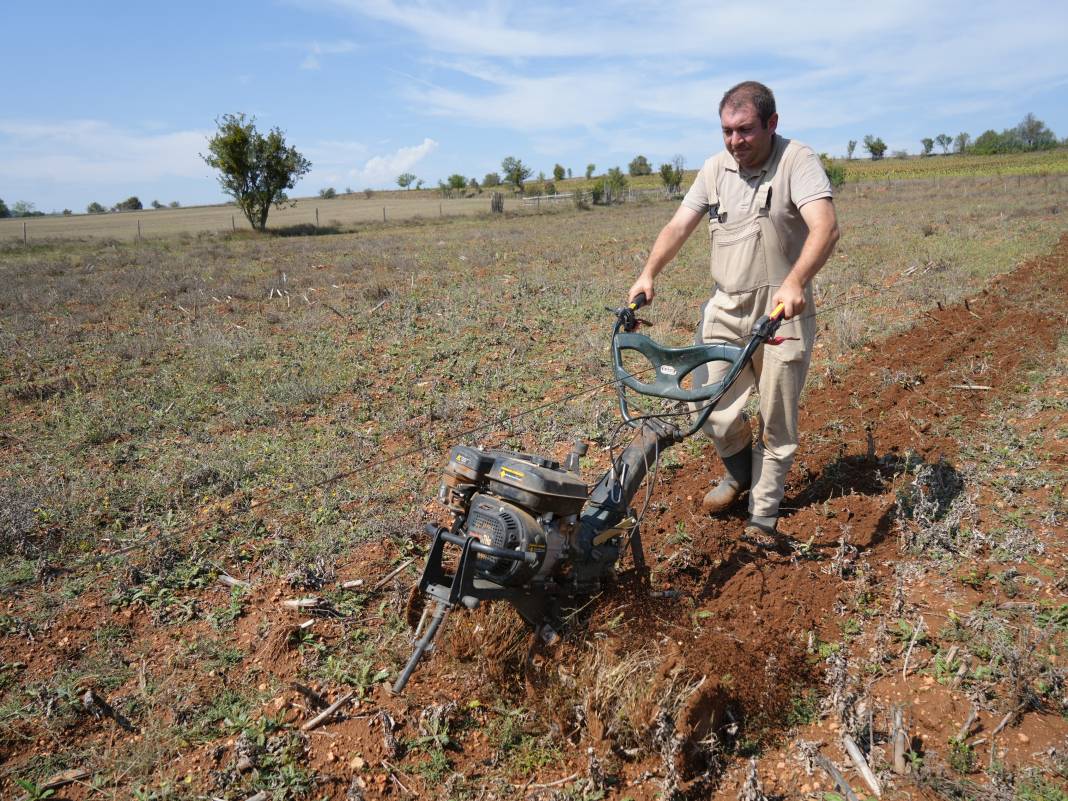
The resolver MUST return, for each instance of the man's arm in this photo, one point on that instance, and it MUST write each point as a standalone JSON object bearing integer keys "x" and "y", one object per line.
{"x": 671, "y": 238}
{"x": 822, "y": 225}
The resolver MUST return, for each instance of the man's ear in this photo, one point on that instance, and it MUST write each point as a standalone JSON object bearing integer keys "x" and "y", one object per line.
{"x": 773, "y": 121}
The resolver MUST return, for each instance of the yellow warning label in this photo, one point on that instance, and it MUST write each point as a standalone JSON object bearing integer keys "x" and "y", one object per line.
{"x": 507, "y": 472}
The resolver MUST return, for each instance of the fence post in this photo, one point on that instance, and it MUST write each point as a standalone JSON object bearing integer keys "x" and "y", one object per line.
{"x": 25, "y": 239}
{"x": 233, "y": 223}
{"x": 440, "y": 212}
{"x": 316, "y": 216}
{"x": 383, "y": 214}
{"x": 138, "y": 229}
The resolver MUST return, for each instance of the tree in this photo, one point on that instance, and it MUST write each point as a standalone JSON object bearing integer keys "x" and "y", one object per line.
{"x": 1034, "y": 135}
{"x": 255, "y": 170}
{"x": 671, "y": 174}
{"x": 156, "y": 204}
{"x": 875, "y": 146}
{"x": 944, "y": 141}
{"x": 640, "y": 166}
{"x": 515, "y": 172}
{"x": 95, "y": 208}
{"x": 329, "y": 193}
{"x": 131, "y": 203}
{"x": 174, "y": 204}
{"x": 961, "y": 142}
{"x": 617, "y": 181}
{"x": 24, "y": 208}
{"x": 405, "y": 180}
{"x": 491, "y": 179}
{"x": 989, "y": 142}
{"x": 850, "y": 148}
{"x": 589, "y": 170}
{"x": 835, "y": 172}
{"x": 457, "y": 181}
{"x": 472, "y": 186}
{"x": 4, "y": 210}
{"x": 928, "y": 145}
{"x": 559, "y": 172}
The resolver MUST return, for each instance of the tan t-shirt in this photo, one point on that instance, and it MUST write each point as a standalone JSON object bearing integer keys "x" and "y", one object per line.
{"x": 799, "y": 179}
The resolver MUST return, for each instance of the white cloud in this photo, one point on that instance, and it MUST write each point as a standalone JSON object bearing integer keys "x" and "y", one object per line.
{"x": 316, "y": 49}
{"x": 546, "y": 67}
{"x": 383, "y": 170}
{"x": 82, "y": 151}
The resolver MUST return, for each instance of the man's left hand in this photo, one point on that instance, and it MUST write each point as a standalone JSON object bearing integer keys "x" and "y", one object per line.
{"x": 792, "y": 297}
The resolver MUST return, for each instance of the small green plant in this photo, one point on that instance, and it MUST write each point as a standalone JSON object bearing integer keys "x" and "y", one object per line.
{"x": 35, "y": 792}
{"x": 961, "y": 756}
{"x": 680, "y": 535}
{"x": 804, "y": 709}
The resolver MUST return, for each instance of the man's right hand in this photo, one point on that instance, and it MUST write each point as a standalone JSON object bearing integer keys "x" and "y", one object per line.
{"x": 643, "y": 284}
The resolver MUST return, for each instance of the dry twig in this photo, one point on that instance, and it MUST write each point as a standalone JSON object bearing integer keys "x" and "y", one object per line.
{"x": 327, "y": 713}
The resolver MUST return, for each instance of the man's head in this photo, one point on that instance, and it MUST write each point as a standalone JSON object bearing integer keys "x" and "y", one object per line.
{"x": 748, "y": 117}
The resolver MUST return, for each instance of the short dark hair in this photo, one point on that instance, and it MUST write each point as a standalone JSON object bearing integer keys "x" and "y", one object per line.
{"x": 750, "y": 92}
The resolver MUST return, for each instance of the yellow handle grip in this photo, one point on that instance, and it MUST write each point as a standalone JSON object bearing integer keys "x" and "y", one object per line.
{"x": 778, "y": 311}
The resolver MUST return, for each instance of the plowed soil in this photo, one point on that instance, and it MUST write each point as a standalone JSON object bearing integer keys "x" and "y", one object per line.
{"x": 729, "y": 630}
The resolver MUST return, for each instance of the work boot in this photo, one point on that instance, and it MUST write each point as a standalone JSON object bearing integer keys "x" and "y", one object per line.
{"x": 763, "y": 532}
{"x": 735, "y": 481}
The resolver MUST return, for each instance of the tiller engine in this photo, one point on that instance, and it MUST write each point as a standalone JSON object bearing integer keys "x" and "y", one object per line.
{"x": 528, "y": 530}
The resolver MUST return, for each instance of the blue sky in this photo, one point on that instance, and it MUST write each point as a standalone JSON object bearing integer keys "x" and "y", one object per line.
{"x": 106, "y": 100}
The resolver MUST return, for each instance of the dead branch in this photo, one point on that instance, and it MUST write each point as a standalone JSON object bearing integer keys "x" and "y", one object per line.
{"x": 836, "y": 777}
{"x": 966, "y": 727}
{"x": 391, "y": 574}
{"x": 912, "y": 643}
{"x": 857, "y": 758}
{"x": 302, "y": 603}
{"x": 65, "y": 777}
{"x": 328, "y": 713}
{"x": 393, "y": 772}
{"x": 900, "y": 740}
{"x": 230, "y": 581}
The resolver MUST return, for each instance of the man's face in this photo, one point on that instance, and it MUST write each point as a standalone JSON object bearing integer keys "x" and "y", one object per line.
{"x": 745, "y": 138}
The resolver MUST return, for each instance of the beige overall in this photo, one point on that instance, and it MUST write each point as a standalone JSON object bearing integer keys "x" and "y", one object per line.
{"x": 748, "y": 266}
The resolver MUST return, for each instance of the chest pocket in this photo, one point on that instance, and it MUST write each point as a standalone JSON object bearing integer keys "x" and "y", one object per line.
{"x": 745, "y": 252}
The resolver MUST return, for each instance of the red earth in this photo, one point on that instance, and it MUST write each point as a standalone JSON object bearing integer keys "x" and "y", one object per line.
{"x": 743, "y": 624}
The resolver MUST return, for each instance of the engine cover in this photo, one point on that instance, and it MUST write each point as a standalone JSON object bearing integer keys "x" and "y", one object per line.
{"x": 496, "y": 522}
{"x": 539, "y": 487}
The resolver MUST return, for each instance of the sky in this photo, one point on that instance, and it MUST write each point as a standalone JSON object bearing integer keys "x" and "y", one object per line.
{"x": 105, "y": 100}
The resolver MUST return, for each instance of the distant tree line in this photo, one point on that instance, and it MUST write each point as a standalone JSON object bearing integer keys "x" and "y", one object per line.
{"x": 517, "y": 176}
{"x": 1030, "y": 134}
{"x": 20, "y": 208}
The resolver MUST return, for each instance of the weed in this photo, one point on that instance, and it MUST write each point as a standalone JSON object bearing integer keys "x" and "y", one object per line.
{"x": 961, "y": 756}
{"x": 35, "y": 792}
{"x": 805, "y": 709}
{"x": 680, "y": 536}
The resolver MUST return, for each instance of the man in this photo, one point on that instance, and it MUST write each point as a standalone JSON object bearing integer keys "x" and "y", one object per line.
{"x": 772, "y": 226}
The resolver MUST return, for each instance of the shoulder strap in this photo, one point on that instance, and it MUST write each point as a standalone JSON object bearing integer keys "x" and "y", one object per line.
{"x": 712, "y": 188}
{"x": 763, "y": 197}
